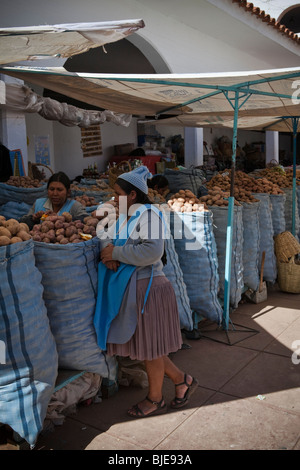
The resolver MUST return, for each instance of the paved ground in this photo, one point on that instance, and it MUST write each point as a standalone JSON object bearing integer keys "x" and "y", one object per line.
{"x": 248, "y": 395}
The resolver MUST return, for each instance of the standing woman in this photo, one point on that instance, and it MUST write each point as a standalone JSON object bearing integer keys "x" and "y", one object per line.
{"x": 136, "y": 312}
{"x": 58, "y": 201}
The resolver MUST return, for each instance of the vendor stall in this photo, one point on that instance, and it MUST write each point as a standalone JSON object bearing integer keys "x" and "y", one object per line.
{"x": 248, "y": 100}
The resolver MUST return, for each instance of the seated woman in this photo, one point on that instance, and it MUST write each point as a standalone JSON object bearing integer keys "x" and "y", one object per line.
{"x": 58, "y": 201}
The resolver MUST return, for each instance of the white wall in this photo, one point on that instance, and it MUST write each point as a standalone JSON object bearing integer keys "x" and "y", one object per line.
{"x": 64, "y": 144}
{"x": 191, "y": 36}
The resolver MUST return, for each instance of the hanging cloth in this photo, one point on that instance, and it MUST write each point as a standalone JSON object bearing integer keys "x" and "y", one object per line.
{"x": 112, "y": 286}
{"x": 40, "y": 205}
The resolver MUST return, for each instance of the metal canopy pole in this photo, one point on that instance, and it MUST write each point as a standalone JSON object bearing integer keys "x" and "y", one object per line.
{"x": 230, "y": 217}
{"x": 295, "y": 121}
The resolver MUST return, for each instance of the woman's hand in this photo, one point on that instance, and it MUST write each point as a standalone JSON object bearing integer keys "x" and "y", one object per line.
{"x": 106, "y": 258}
{"x": 113, "y": 265}
{"x": 106, "y": 253}
{"x": 36, "y": 217}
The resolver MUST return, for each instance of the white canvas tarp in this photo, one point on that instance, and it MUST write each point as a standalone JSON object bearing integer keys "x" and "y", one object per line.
{"x": 61, "y": 40}
{"x": 199, "y": 99}
{"x": 21, "y": 98}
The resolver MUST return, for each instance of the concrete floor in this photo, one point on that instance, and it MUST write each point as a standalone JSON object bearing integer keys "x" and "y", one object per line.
{"x": 248, "y": 395}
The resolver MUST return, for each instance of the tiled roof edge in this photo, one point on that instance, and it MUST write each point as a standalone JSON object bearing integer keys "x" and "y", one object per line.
{"x": 267, "y": 19}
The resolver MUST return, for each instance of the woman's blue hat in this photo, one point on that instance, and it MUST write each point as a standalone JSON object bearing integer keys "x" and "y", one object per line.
{"x": 138, "y": 178}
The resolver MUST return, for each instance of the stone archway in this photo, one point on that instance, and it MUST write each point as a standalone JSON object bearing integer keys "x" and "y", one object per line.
{"x": 130, "y": 55}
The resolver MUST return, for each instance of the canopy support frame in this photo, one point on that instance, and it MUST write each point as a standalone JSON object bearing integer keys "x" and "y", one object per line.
{"x": 238, "y": 95}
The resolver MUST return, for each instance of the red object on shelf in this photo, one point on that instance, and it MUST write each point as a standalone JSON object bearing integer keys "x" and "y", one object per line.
{"x": 148, "y": 160}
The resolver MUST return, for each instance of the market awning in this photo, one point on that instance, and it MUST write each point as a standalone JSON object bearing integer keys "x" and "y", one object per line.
{"x": 61, "y": 40}
{"x": 192, "y": 95}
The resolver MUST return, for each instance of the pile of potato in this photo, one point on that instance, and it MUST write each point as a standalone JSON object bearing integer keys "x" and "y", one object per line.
{"x": 186, "y": 201}
{"x": 61, "y": 229}
{"x": 99, "y": 187}
{"x": 289, "y": 175}
{"x": 217, "y": 197}
{"x": 24, "y": 182}
{"x": 276, "y": 176}
{"x": 155, "y": 197}
{"x": 86, "y": 201}
{"x": 244, "y": 185}
{"x": 12, "y": 231}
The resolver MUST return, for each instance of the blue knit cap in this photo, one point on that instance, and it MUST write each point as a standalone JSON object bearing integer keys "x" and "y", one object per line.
{"x": 138, "y": 178}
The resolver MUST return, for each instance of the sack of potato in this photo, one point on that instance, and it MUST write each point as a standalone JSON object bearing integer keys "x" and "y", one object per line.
{"x": 69, "y": 278}
{"x": 23, "y": 182}
{"x": 12, "y": 231}
{"x": 21, "y": 189}
{"x": 28, "y": 371}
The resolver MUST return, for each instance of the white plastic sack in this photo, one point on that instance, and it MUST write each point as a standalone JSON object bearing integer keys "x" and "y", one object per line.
{"x": 173, "y": 272}
{"x": 17, "y": 194}
{"x": 69, "y": 278}
{"x": 28, "y": 363}
{"x": 196, "y": 248}
{"x": 278, "y": 212}
{"x": 266, "y": 237}
{"x": 251, "y": 250}
{"x": 14, "y": 210}
{"x": 220, "y": 221}
{"x": 288, "y": 210}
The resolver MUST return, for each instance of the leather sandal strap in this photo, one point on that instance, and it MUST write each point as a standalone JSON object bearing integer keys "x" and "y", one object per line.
{"x": 157, "y": 403}
{"x": 183, "y": 383}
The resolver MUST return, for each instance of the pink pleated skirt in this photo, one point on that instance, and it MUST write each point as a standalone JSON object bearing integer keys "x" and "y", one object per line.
{"x": 158, "y": 328}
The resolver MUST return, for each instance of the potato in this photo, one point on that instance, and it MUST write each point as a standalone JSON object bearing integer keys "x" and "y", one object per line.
{"x": 79, "y": 224}
{"x": 67, "y": 216}
{"x": 36, "y": 237}
{"x": 4, "y": 232}
{"x": 24, "y": 235}
{"x": 16, "y": 240}
{"x": 46, "y": 226}
{"x": 59, "y": 223}
{"x": 51, "y": 236}
{"x": 4, "y": 240}
{"x": 12, "y": 225}
{"x": 23, "y": 226}
{"x": 60, "y": 231}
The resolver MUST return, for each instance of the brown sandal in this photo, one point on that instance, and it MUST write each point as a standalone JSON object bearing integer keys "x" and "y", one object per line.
{"x": 180, "y": 402}
{"x": 160, "y": 409}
